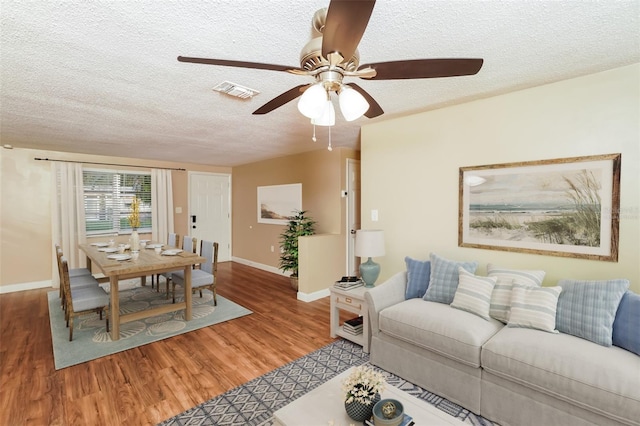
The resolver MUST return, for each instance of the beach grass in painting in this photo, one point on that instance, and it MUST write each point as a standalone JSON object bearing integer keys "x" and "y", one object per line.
{"x": 575, "y": 220}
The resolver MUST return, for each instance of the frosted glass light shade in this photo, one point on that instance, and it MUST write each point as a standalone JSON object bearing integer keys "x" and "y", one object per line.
{"x": 312, "y": 102}
{"x": 369, "y": 243}
{"x": 328, "y": 117}
{"x": 352, "y": 103}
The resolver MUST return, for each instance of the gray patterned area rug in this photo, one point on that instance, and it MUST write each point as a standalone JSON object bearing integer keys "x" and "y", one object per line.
{"x": 90, "y": 337}
{"x": 254, "y": 402}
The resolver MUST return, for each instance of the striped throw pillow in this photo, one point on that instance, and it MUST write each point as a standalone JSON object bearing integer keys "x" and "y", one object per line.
{"x": 501, "y": 296}
{"x": 534, "y": 307}
{"x": 473, "y": 293}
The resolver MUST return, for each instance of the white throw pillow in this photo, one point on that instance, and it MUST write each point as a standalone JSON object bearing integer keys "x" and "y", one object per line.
{"x": 473, "y": 293}
{"x": 501, "y": 296}
{"x": 534, "y": 307}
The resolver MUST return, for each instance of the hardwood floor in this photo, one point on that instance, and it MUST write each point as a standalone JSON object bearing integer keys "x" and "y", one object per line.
{"x": 149, "y": 384}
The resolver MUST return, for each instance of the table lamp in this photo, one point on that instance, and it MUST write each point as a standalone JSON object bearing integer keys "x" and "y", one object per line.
{"x": 369, "y": 243}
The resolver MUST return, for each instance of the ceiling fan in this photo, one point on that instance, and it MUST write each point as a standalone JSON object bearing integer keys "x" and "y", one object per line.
{"x": 333, "y": 55}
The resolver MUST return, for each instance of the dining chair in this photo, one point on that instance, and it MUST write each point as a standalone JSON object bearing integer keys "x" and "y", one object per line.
{"x": 203, "y": 278}
{"x": 83, "y": 300}
{"x": 75, "y": 272}
{"x": 173, "y": 240}
{"x": 80, "y": 280}
{"x": 188, "y": 244}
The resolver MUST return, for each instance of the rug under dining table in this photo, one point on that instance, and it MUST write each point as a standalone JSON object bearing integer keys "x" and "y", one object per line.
{"x": 91, "y": 340}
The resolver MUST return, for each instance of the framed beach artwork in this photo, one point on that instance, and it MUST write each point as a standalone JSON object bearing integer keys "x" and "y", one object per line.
{"x": 564, "y": 207}
{"x": 276, "y": 203}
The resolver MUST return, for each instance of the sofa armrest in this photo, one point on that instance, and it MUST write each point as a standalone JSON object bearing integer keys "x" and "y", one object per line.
{"x": 384, "y": 295}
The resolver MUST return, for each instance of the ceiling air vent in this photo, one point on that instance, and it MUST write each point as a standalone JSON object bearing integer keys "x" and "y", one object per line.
{"x": 233, "y": 89}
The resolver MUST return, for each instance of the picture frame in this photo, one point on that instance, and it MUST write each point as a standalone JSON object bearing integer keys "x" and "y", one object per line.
{"x": 276, "y": 203}
{"x": 565, "y": 207}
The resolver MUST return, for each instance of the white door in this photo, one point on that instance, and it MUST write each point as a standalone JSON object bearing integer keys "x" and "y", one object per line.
{"x": 353, "y": 214}
{"x": 210, "y": 211}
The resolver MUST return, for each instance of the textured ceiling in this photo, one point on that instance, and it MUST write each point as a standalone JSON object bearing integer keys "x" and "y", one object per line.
{"x": 101, "y": 77}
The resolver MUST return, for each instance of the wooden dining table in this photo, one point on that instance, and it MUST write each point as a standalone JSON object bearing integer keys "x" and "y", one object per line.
{"x": 148, "y": 263}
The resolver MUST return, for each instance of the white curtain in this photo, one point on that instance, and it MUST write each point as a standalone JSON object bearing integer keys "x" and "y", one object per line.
{"x": 67, "y": 215}
{"x": 161, "y": 205}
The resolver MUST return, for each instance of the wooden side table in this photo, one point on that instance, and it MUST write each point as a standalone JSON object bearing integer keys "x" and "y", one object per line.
{"x": 352, "y": 301}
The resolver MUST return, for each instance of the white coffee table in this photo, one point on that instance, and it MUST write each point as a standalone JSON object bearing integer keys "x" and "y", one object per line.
{"x": 325, "y": 404}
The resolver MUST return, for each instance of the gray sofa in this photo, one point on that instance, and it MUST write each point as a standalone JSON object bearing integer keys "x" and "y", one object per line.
{"x": 512, "y": 376}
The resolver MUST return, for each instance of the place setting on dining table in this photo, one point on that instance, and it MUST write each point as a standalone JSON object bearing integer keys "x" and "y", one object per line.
{"x": 124, "y": 252}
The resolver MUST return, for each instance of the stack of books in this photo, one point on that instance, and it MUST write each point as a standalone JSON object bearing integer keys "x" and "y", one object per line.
{"x": 353, "y": 326}
{"x": 347, "y": 283}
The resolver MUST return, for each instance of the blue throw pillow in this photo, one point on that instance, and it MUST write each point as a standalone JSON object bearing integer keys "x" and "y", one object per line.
{"x": 626, "y": 327}
{"x": 444, "y": 278}
{"x": 587, "y": 309}
{"x": 418, "y": 273}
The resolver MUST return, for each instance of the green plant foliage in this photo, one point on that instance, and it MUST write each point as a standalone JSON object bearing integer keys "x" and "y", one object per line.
{"x": 299, "y": 225}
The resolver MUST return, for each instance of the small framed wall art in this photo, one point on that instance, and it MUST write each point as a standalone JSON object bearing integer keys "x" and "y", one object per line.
{"x": 276, "y": 203}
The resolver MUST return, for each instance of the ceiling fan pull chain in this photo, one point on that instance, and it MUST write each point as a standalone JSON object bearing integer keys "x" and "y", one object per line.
{"x": 330, "y": 148}
{"x": 313, "y": 138}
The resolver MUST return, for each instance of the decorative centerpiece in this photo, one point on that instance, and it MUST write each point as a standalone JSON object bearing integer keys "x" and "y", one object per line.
{"x": 134, "y": 222}
{"x": 362, "y": 390}
{"x": 388, "y": 412}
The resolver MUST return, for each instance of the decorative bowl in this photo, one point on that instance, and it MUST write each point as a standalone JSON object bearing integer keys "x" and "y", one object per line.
{"x": 388, "y": 412}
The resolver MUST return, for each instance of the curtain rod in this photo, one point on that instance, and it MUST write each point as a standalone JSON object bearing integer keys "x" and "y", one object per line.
{"x": 108, "y": 164}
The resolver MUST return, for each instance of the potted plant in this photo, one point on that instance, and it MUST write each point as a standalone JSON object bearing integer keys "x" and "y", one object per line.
{"x": 362, "y": 389}
{"x": 299, "y": 225}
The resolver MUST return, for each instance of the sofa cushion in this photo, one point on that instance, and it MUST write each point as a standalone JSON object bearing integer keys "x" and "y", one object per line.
{"x": 418, "y": 273}
{"x": 568, "y": 368}
{"x": 626, "y": 332}
{"x": 437, "y": 327}
{"x": 473, "y": 293}
{"x": 501, "y": 296}
{"x": 444, "y": 278}
{"x": 534, "y": 307}
{"x": 587, "y": 309}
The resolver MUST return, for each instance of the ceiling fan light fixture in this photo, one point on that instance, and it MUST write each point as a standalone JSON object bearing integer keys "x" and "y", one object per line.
{"x": 328, "y": 117}
{"x": 352, "y": 104}
{"x": 313, "y": 101}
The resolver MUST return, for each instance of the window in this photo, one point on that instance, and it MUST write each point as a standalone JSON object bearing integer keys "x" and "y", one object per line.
{"x": 107, "y": 200}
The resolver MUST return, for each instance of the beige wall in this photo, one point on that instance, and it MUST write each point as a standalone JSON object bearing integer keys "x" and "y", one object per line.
{"x": 322, "y": 174}
{"x": 417, "y": 195}
{"x": 25, "y": 221}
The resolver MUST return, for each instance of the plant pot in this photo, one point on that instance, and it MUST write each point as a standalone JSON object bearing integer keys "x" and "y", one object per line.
{"x": 294, "y": 282}
{"x": 359, "y": 411}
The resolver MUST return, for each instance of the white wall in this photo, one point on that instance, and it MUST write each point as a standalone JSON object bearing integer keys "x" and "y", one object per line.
{"x": 410, "y": 167}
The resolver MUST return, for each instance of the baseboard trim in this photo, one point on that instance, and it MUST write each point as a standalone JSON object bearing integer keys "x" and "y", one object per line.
{"x": 310, "y": 297}
{"x": 303, "y": 297}
{"x": 259, "y": 266}
{"x": 12, "y": 288}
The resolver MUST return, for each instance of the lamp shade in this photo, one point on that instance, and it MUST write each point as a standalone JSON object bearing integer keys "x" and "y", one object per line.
{"x": 369, "y": 243}
{"x": 312, "y": 103}
{"x": 328, "y": 117}
{"x": 352, "y": 103}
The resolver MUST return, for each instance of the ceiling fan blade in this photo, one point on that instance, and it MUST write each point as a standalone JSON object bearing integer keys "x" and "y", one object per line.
{"x": 237, "y": 64}
{"x": 280, "y": 100}
{"x": 424, "y": 68}
{"x": 344, "y": 26}
{"x": 374, "y": 108}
